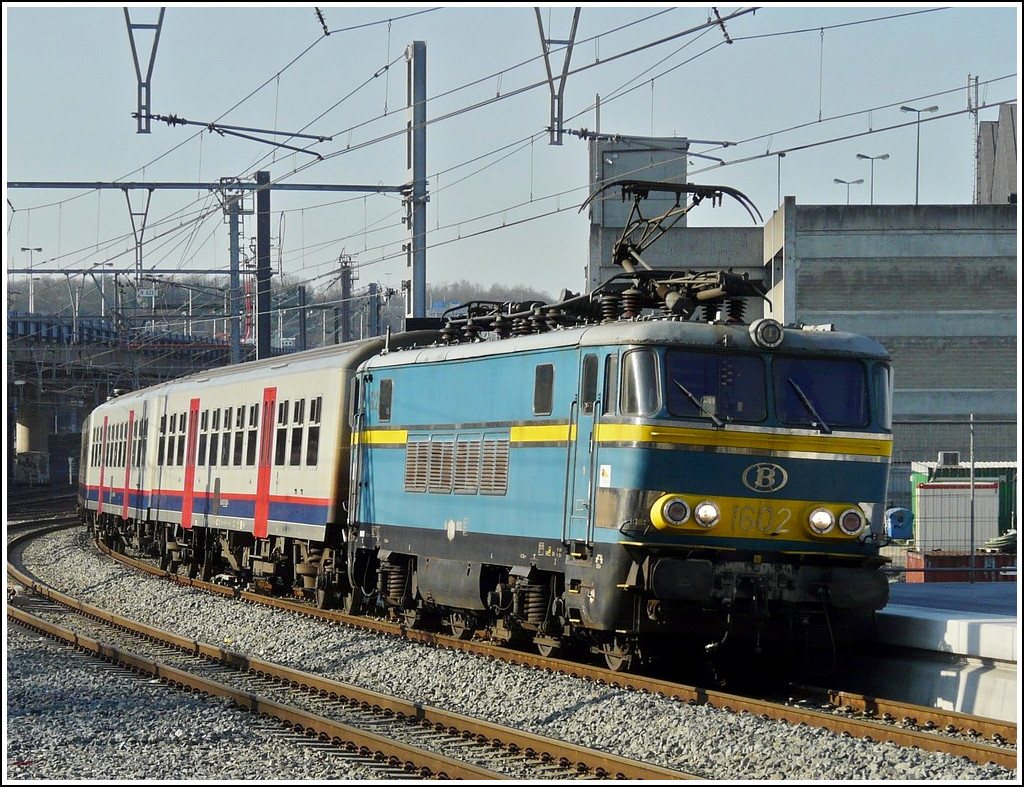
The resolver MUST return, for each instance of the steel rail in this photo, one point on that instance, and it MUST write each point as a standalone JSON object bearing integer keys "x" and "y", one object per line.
{"x": 566, "y": 755}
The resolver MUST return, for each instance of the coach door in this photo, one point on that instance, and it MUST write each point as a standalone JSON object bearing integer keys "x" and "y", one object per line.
{"x": 266, "y": 457}
{"x": 189, "y": 493}
{"x": 128, "y": 464}
{"x": 103, "y": 466}
{"x": 582, "y": 449}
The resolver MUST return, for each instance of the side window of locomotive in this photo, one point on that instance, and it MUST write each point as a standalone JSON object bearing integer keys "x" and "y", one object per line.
{"x": 639, "y": 394}
{"x": 611, "y": 383}
{"x": 589, "y": 384}
{"x": 313, "y": 432}
{"x": 883, "y": 396}
{"x": 384, "y": 402}
{"x": 543, "y": 389}
{"x": 250, "y": 446}
{"x": 281, "y": 442}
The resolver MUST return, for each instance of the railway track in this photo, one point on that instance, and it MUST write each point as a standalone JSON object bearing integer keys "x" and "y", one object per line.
{"x": 387, "y": 732}
{"x": 931, "y": 729}
{"x": 978, "y": 739}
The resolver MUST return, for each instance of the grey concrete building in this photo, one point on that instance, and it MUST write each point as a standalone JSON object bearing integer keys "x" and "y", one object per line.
{"x": 936, "y": 284}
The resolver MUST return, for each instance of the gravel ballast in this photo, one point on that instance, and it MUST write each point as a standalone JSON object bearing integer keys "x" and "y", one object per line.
{"x": 127, "y": 729}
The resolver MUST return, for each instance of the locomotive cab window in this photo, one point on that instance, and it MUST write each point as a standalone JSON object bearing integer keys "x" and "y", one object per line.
{"x": 543, "y": 389}
{"x": 640, "y": 392}
{"x": 718, "y": 387}
{"x": 821, "y": 393}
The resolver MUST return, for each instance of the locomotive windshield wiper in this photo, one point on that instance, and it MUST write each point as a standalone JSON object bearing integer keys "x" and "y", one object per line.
{"x": 714, "y": 418}
{"x": 822, "y": 426}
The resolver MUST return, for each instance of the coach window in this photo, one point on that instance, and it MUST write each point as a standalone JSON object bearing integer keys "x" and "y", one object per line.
{"x": 214, "y": 446}
{"x": 313, "y": 436}
{"x": 639, "y": 393}
{"x": 543, "y": 389}
{"x": 225, "y": 440}
{"x": 182, "y": 423}
{"x": 204, "y": 424}
{"x": 214, "y": 436}
{"x": 162, "y": 443}
{"x": 298, "y": 417}
{"x": 250, "y": 449}
{"x": 172, "y": 437}
{"x": 384, "y": 403}
{"x": 282, "y": 433}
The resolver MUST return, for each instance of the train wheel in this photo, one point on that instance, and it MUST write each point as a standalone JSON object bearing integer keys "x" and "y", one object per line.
{"x": 618, "y": 653}
{"x": 549, "y": 649}
{"x": 326, "y": 590}
{"x": 411, "y": 618}
{"x": 462, "y": 626}
{"x": 351, "y": 602}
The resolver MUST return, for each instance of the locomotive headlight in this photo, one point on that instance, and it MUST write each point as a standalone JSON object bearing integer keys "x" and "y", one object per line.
{"x": 675, "y": 510}
{"x": 669, "y": 511}
{"x": 851, "y": 521}
{"x": 821, "y": 520}
{"x": 766, "y": 333}
{"x": 706, "y": 514}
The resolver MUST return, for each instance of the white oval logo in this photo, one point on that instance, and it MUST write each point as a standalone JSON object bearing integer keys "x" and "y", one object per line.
{"x": 765, "y": 477}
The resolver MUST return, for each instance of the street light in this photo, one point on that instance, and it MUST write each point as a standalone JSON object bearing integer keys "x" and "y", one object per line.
{"x": 873, "y": 159}
{"x": 917, "y": 178}
{"x": 848, "y": 183}
{"x": 31, "y": 281}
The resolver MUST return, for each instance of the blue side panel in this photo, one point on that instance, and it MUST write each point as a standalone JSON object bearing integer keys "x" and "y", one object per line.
{"x": 531, "y": 507}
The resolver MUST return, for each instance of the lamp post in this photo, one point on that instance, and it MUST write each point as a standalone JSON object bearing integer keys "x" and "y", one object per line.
{"x": 917, "y": 177}
{"x": 31, "y": 281}
{"x": 848, "y": 183}
{"x": 873, "y": 159}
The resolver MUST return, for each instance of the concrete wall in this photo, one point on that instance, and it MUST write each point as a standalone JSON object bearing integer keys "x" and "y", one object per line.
{"x": 997, "y": 158}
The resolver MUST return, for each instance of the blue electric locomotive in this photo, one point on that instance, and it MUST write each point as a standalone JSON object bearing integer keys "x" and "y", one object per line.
{"x": 624, "y": 479}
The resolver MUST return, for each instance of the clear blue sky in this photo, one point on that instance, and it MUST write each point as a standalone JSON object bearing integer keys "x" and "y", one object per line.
{"x": 824, "y": 83}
